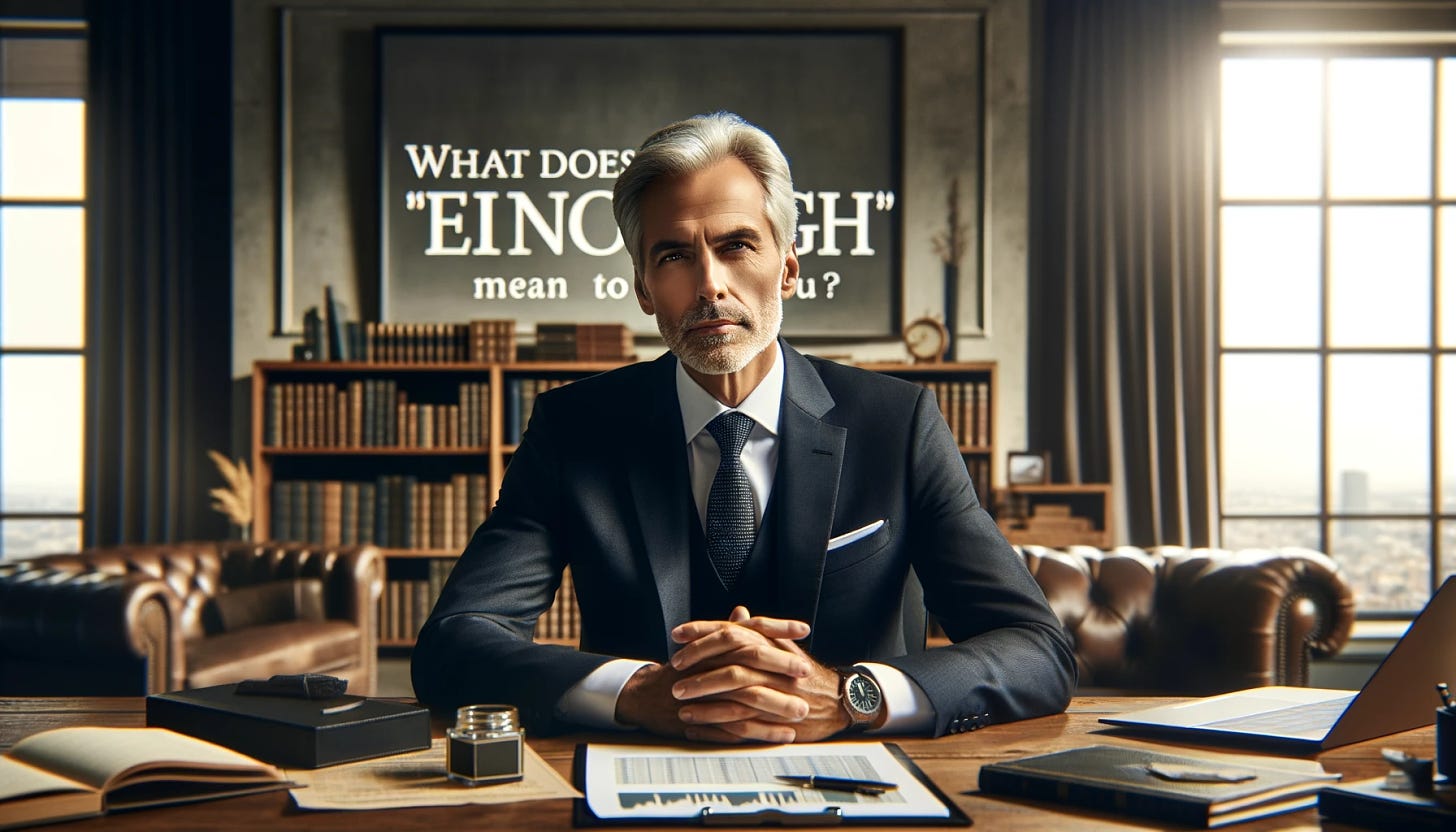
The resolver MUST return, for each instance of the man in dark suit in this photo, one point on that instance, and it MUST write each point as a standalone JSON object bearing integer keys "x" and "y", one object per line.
{"x": 763, "y": 592}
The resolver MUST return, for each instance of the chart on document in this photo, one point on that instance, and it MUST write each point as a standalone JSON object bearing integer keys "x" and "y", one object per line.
{"x": 627, "y": 781}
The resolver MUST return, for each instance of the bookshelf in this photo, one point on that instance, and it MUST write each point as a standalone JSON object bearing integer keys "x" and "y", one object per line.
{"x": 410, "y": 456}
{"x": 966, "y": 393}
{"x": 1057, "y": 514}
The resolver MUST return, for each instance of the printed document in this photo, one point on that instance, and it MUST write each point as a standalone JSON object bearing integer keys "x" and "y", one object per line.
{"x": 642, "y": 781}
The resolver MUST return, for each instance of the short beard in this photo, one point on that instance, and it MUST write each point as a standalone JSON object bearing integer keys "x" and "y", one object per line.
{"x": 720, "y": 355}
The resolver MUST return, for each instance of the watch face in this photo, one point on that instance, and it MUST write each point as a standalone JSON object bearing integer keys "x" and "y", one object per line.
{"x": 863, "y": 694}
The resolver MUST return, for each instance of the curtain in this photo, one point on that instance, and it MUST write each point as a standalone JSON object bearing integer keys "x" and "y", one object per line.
{"x": 159, "y": 267}
{"x": 1121, "y": 286}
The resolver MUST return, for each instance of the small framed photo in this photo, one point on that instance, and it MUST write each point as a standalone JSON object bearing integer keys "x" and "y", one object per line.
{"x": 1027, "y": 468}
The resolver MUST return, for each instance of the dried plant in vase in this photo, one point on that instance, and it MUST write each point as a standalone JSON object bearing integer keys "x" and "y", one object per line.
{"x": 235, "y": 501}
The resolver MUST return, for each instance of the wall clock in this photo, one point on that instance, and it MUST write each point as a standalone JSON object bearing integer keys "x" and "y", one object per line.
{"x": 926, "y": 339}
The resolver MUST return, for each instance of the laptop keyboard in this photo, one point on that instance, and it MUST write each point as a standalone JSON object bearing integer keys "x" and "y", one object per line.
{"x": 1311, "y": 716}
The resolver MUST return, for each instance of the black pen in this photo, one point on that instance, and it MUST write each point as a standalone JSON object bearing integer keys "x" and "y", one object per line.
{"x": 837, "y": 784}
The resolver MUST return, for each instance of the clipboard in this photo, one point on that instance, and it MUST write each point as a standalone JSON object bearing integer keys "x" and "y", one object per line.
{"x": 583, "y": 816}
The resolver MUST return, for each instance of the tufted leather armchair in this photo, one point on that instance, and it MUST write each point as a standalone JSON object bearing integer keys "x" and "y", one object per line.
{"x": 129, "y": 620}
{"x": 1196, "y": 621}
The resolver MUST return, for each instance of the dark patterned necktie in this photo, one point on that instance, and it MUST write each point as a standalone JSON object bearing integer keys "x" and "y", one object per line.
{"x": 731, "y": 526}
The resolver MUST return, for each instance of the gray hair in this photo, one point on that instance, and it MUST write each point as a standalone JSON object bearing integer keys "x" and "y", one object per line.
{"x": 700, "y": 142}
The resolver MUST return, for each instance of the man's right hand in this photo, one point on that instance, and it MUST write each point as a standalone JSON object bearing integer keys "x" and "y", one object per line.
{"x": 647, "y": 702}
{"x": 759, "y": 686}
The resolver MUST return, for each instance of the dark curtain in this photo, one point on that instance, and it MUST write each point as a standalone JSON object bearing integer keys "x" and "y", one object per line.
{"x": 159, "y": 244}
{"x": 1121, "y": 287}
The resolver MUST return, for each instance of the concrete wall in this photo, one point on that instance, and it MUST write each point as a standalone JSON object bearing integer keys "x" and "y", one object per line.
{"x": 305, "y": 191}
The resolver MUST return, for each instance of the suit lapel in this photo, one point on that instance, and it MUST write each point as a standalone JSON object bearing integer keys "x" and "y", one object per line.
{"x": 811, "y": 455}
{"x": 658, "y": 477}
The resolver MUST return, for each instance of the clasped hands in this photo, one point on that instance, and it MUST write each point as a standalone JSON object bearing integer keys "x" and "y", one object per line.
{"x": 736, "y": 680}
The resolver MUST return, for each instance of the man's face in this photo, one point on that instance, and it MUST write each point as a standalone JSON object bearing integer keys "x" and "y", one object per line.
{"x": 711, "y": 271}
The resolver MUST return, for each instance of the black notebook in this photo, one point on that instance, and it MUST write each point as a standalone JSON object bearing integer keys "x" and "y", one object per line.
{"x": 1368, "y": 804}
{"x": 1136, "y": 781}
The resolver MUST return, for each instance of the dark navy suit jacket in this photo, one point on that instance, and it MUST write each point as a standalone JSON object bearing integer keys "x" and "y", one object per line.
{"x": 600, "y": 483}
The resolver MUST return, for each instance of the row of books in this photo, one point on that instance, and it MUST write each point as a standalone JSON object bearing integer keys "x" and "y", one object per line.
{"x": 520, "y": 401}
{"x": 407, "y": 602}
{"x": 479, "y": 341}
{"x": 395, "y": 511}
{"x": 584, "y": 342}
{"x": 980, "y": 471}
{"x": 372, "y": 413}
{"x": 966, "y": 406}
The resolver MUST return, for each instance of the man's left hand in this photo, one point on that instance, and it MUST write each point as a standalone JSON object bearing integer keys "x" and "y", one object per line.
{"x": 748, "y": 664}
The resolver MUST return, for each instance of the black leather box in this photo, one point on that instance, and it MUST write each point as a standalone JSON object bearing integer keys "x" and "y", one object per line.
{"x": 290, "y": 732}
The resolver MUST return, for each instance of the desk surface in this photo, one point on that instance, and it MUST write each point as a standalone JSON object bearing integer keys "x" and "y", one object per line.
{"x": 952, "y": 761}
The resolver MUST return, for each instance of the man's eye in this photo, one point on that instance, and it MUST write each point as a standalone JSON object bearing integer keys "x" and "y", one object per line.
{"x": 669, "y": 257}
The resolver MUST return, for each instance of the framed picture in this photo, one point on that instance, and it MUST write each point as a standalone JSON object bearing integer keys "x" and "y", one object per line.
{"x": 502, "y": 206}
{"x": 1027, "y": 468}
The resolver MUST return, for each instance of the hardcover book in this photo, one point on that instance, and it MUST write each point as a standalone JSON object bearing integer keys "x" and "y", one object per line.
{"x": 68, "y": 773}
{"x": 291, "y": 732}
{"x": 1368, "y": 804}
{"x": 1192, "y": 791}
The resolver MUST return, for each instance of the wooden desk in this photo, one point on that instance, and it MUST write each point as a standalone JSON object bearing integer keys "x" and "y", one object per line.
{"x": 953, "y": 762}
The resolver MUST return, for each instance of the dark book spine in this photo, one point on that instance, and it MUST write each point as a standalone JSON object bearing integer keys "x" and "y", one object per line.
{"x": 1103, "y": 798}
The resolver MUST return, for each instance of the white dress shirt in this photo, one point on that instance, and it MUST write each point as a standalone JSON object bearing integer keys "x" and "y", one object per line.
{"x": 592, "y": 702}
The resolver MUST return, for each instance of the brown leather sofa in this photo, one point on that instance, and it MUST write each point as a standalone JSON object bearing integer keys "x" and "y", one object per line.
{"x": 1165, "y": 620}
{"x": 130, "y": 620}
{"x": 1195, "y": 621}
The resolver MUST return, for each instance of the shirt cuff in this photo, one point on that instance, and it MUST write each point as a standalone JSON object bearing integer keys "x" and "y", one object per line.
{"x": 909, "y": 709}
{"x": 592, "y": 702}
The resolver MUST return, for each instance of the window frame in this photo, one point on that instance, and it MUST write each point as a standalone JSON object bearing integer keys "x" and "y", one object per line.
{"x": 1435, "y": 46}
{"x": 24, "y": 29}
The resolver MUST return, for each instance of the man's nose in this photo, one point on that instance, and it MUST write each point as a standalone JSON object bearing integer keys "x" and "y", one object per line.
{"x": 712, "y": 278}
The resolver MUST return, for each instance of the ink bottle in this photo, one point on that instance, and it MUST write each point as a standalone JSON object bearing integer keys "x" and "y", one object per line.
{"x": 487, "y": 745}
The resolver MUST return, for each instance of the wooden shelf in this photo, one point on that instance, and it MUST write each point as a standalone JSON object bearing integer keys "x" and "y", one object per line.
{"x": 369, "y": 450}
{"x": 1056, "y": 514}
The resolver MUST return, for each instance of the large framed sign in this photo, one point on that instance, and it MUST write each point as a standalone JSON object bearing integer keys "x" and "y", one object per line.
{"x": 498, "y": 150}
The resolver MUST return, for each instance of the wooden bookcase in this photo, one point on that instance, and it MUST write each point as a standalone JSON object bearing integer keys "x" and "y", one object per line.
{"x": 1057, "y": 514}
{"x": 334, "y": 460}
{"x": 966, "y": 393}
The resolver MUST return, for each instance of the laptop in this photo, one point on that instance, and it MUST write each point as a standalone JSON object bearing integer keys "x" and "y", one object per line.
{"x": 1399, "y": 696}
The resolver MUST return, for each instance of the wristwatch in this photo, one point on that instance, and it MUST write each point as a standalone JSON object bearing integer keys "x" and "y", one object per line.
{"x": 860, "y": 696}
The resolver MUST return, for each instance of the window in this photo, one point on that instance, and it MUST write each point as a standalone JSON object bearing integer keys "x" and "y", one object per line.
{"x": 42, "y": 287}
{"x": 1337, "y": 312}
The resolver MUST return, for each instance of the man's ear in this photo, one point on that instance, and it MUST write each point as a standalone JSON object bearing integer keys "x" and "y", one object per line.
{"x": 790, "y": 278}
{"x": 644, "y": 300}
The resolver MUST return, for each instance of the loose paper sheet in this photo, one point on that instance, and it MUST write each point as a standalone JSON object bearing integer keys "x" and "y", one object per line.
{"x": 639, "y": 781}
{"x": 417, "y": 779}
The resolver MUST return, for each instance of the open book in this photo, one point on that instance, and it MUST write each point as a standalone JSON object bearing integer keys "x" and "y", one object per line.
{"x": 69, "y": 773}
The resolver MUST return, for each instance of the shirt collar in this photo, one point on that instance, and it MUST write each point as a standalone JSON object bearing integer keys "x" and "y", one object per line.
{"x": 762, "y": 405}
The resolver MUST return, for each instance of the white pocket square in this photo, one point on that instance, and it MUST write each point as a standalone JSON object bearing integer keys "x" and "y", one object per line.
{"x": 850, "y": 537}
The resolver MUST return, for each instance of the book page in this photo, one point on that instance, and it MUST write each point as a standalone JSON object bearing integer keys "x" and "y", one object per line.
{"x": 642, "y": 781}
{"x": 18, "y": 779}
{"x": 29, "y": 795}
{"x": 102, "y": 758}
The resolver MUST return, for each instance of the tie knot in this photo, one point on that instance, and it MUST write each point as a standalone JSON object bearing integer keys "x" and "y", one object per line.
{"x": 730, "y": 430}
